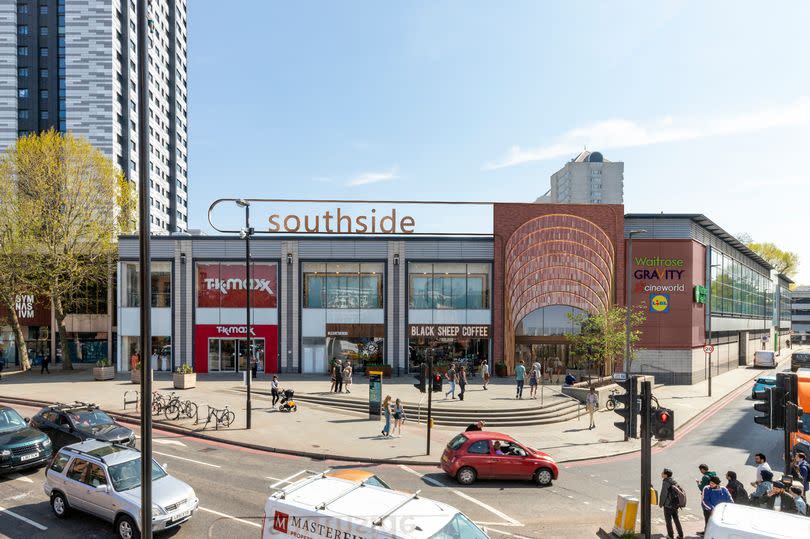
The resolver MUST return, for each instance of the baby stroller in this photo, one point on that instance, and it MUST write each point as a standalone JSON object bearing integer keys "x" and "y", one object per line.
{"x": 287, "y": 404}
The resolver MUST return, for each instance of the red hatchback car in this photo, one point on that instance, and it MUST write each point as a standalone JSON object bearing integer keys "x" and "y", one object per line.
{"x": 492, "y": 455}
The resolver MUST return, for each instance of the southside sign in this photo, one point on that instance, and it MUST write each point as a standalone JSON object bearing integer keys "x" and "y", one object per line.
{"x": 341, "y": 222}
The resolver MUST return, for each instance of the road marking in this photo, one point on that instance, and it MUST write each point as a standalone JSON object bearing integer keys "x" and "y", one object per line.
{"x": 230, "y": 517}
{"x": 26, "y": 520}
{"x": 168, "y": 442}
{"x": 188, "y": 460}
{"x": 508, "y": 534}
{"x": 467, "y": 497}
{"x": 22, "y": 478}
{"x": 280, "y": 482}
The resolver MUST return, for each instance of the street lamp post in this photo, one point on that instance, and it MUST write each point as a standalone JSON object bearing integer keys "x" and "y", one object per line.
{"x": 627, "y": 307}
{"x": 709, "y": 293}
{"x": 246, "y": 233}
{"x": 144, "y": 201}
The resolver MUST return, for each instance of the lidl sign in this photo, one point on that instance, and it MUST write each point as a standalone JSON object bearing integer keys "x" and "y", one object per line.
{"x": 659, "y": 303}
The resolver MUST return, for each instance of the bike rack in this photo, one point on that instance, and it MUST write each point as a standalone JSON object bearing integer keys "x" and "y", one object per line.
{"x": 136, "y": 401}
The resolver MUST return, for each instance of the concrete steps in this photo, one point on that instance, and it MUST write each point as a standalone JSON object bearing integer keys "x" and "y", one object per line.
{"x": 556, "y": 409}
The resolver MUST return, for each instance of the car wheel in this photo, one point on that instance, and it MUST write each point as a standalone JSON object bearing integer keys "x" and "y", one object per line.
{"x": 466, "y": 476}
{"x": 543, "y": 477}
{"x": 59, "y": 505}
{"x": 125, "y": 528}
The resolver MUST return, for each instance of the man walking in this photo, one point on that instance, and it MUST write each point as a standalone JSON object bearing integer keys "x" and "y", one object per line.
{"x": 592, "y": 405}
{"x": 760, "y": 496}
{"x": 670, "y": 501}
{"x": 462, "y": 381}
{"x": 520, "y": 378}
{"x": 338, "y": 377}
{"x": 762, "y": 464}
{"x": 705, "y": 476}
{"x": 478, "y": 425}
{"x": 451, "y": 379}
{"x": 713, "y": 495}
{"x": 485, "y": 373}
{"x": 46, "y": 358}
{"x": 801, "y": 469}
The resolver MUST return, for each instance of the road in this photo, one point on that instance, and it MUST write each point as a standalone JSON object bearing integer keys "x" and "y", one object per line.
{"x": 232, "y": 484}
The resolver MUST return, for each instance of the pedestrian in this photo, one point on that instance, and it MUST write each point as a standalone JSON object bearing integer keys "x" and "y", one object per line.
{"x": 333, "y": 377}
{"x": 462, "y": 381}
{"x": 46, "y": 359}
{"x": 134, "y": 361}
{"x": 736, "y": 488}
{"x": 399, "y": 416}
{"x": 592, "y": 405}
{"x": 520, "y": 379}
{"x": 670, "y": 501}
{"x": 385, "y": 408}
{"x": 485, "y": 373}
{"x": 153, "y": 360}
{"x": 762, "y": 464}
{"x": 254, "y": 366}
{"x": 801, "y": 469}
{"x": 713, "y": 495}
{"x": 451, "y": 379}
{"x": 338, "y": 377}
{"x": 347, "y": 376}
{"x": 570, "y": 379}
{"x": 274, "y": 391}
{"x": 760, "y": 496}
{"x": 705, "y": 476}
{"x": 779, "y": 500}
{"x": 478, "y": 425}
{"x": 801, "y": 506}
{"x": 534, "y": 378}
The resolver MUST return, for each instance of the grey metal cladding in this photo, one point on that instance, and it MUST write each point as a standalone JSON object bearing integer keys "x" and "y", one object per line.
{"x": 325, "y": 249}
{"x": 8, "y": 73}
{"x": 89, "y": 71}
{"x": 449, "y": 249}
{"x": 675, "y": 229}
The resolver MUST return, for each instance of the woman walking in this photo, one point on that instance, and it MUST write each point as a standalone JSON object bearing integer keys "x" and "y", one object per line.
{"x": 485, "y": 373}
{"x": 385, "y": 408}
{"x": 347, "y": 376}
{"x": 274, "y": 391}
{"x": 462, "y": 381}
{"x": 399, "y": 417}
{"x": 534, "y": 378}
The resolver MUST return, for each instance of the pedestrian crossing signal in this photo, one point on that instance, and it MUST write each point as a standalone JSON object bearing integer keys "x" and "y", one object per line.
{"x": 662, "y": 424}
{"x": 437, "y": 383}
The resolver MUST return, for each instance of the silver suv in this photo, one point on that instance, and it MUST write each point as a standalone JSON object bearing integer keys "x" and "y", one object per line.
{"x": 104, "y": 479}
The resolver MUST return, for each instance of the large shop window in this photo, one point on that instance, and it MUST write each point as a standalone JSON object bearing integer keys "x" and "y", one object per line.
{"x": 161, "y": 284}
{"x": 448, "y": 286}
{"x": 343, "y": 285}
{"x": 737, "y": 289}
{"x": 554, "y": 320}
{"x": 469, "y": 352}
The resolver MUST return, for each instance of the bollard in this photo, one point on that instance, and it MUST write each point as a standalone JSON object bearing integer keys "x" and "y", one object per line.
{"x": 626, "y": 512}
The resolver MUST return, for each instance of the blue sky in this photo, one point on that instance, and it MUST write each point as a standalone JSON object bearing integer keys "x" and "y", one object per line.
{"x": 707, "y": 103}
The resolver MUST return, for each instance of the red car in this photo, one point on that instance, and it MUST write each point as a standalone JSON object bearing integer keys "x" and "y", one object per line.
{"x": 492, "y": 455}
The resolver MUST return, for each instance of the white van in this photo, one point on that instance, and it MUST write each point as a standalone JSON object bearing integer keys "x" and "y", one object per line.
{"x": 764, "y": 358}
{"x": 322, "y": 507}
{"x": 734, "y": 521}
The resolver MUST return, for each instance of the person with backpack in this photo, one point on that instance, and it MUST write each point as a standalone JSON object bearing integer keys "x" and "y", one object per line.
{"x": 801, "y": 469}
{"x": 713, "y": 495}
{"x": 736, "y": 488}
{"x": 706, "y": 475}
{"x": 760, "y": 496}
{"x": 672, "y": 498}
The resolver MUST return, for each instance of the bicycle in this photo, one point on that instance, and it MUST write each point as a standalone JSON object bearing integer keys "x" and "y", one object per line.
{"x": 221, "y": 417}
{"x": 158, "y": 403}
{"x": 612, "y": 400}
{"x": 174, "y": 407}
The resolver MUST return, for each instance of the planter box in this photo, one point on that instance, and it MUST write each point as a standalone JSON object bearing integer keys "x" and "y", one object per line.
{"x": 104, "y": 373}
{"x": 500, "y": 369}
{"x": 184, "y": 381}
{"x": 136, "y": 375}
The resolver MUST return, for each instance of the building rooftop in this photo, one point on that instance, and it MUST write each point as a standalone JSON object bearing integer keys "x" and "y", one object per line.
{"x": 590, "y": 157}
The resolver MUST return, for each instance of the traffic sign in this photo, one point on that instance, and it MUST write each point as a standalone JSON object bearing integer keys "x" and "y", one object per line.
{"x": 708, "y": 348}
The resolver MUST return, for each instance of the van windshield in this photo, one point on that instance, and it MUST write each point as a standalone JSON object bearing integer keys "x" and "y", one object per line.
{"x": 460, "y": 527}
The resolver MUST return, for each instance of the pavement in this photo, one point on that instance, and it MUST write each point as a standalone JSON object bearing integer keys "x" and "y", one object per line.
{"x": 324, "y": 432}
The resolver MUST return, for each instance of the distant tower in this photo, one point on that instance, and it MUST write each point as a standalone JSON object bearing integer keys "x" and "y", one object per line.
{"x": 587, "y": 179}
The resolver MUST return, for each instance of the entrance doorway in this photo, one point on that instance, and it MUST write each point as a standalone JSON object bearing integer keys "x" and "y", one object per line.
{"x": 230, "y": 355}
{"x": 555, "y": 358}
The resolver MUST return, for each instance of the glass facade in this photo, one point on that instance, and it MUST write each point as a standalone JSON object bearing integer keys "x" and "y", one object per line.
{"x": 360, "y": 351}
{"x": 161, "y": 284}
{"x": 448, "y": 285}
{"x": 784, "y": 303}
{"x": 343, "y": 285}
{"x": 460, "y": 351}
{"x": 738, "y": 290}
{"x": 554, "y": 320}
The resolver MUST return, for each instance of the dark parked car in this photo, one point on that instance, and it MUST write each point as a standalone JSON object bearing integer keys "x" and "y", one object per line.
{"x": 67, "y": 424}
{"x": 21, "y": 446}
{"x": 492, "y": 455}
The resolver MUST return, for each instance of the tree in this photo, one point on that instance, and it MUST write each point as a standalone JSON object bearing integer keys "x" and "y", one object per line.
{"x": 71, "y": 203}
{"x": 602, "y": 336}
{"x": 785, "y": 262}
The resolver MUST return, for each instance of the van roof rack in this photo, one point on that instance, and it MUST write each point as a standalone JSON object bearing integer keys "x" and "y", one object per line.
{"x": 379, "y": 520}
{"x": 76, "y": 405}
{"x": 282, "y": 494}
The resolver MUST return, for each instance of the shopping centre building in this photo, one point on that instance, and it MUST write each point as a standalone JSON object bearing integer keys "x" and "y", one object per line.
{"x": 326, "y": 290}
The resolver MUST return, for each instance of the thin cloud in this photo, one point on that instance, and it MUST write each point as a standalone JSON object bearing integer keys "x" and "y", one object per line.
{"x": 621, "y": 133}
{"x": 374, "y": 177}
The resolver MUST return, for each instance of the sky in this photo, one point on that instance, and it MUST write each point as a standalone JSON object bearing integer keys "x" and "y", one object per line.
{"x": 706, "y": 103}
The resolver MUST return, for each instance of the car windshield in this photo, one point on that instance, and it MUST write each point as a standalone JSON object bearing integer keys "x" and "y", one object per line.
{"x": 460, "y": 527}
{"x": 127, "y": 475}
{"x": 10, "y": 420}
{"x": 767, "y": 381}
{"x": 457, "y": 442}
{"x": 90, "y": 418}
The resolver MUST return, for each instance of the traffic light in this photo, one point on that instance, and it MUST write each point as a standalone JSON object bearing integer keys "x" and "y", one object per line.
{"x": 793, "y": 417}
{"x": 629, "y": 409}
{"x": 437, "y": 383}
{"x": 421, "y": 378}
{"x": 773, "y": 409}
{"x": 662, "y": 423}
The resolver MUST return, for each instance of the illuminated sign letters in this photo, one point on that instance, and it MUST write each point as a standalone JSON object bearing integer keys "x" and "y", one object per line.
{"x": 341, "y": 222}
